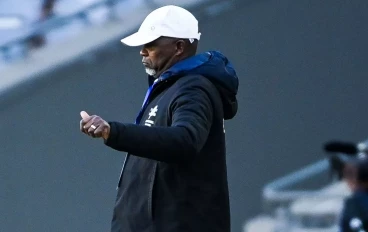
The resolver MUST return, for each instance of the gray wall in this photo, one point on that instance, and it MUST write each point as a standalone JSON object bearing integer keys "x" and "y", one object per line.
{"x": 303, "y": 80}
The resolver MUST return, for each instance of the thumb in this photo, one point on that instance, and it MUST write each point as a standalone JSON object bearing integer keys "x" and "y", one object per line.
{"x": 84, "y": 114}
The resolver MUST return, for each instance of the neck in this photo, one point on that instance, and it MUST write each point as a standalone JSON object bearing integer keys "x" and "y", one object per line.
{"x": 171, "y": 62}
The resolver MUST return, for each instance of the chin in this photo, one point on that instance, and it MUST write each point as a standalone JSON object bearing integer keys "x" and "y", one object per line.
{"x": 151, "y": 71}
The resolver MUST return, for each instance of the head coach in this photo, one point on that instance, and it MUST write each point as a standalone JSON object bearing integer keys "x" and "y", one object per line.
{"x": 174, "y": 177}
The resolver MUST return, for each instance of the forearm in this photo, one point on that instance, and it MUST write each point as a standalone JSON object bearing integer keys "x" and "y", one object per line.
{"x": 167, "y": 144}
{"x": 191, "y": 116}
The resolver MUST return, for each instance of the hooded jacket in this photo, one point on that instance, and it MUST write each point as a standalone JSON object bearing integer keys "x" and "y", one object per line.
{"x": 174, "y": 177}
{"x": 355, "y": 208}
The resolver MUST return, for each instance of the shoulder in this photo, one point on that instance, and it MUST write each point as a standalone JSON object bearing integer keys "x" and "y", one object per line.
{"x": 349, "y": 202}
{"x": 354, "y": 205}
{"x": 194, "y": 80}
{"x": 195, "y": 84}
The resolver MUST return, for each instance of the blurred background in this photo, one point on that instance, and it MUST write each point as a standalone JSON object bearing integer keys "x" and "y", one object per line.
{"x": 303, "y": 82}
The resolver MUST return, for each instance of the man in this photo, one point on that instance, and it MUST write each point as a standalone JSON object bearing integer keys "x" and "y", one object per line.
{"x": 354, "y": 216}
{"x": 174, "y": 177}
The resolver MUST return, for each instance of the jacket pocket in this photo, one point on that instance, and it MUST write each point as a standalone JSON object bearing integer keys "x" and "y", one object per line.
{"x": 150, "y": 193}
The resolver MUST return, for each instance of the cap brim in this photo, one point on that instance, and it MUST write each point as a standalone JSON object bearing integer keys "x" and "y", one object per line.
{"x": 137, "y": 39}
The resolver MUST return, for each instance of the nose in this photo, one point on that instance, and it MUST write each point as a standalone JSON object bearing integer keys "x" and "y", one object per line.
{"x": 143, "y": 52}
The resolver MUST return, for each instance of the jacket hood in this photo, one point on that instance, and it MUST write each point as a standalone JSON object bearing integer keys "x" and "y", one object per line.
{"x": 217, "y": 68}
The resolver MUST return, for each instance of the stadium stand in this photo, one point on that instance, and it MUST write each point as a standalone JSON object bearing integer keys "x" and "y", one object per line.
{"x": 301, "y": 210}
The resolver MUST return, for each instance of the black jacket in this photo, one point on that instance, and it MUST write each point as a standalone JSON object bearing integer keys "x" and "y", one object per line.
{"x": 174, "y": 177}
{"x": 355, "y": 209}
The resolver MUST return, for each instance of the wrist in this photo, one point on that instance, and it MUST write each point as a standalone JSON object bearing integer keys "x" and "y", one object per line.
{"x": 106, "y": 133}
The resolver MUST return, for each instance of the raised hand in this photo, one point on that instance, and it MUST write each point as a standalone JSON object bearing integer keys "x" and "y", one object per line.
{"x": 94, "y": 126}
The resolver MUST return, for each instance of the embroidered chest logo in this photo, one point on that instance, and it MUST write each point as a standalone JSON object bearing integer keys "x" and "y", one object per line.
{"x": 151, "y": 116}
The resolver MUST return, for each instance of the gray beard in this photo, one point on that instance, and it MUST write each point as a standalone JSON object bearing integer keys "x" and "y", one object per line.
{"x": 150, "y": 71}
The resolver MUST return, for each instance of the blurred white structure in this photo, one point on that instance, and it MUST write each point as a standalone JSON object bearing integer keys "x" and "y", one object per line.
{"x": 301, "y": 211}
{"x": 20, "y": 20}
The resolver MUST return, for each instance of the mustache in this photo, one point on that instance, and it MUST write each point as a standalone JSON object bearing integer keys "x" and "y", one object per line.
{"x": 147, "y": 64}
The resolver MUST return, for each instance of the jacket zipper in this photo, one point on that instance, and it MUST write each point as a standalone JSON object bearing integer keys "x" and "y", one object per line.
{"x": 122, "y": 170}
{"x": 150, "y": 193}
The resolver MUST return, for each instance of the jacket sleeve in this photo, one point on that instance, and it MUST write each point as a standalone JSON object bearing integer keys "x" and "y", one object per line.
{"x": 191, "y": 113}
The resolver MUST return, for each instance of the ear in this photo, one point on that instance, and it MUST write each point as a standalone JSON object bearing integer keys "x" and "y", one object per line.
{"x": 180, "y": 46}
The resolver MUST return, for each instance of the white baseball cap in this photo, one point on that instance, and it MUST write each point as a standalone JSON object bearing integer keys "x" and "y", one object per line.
{"x": 171, "y": 21}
